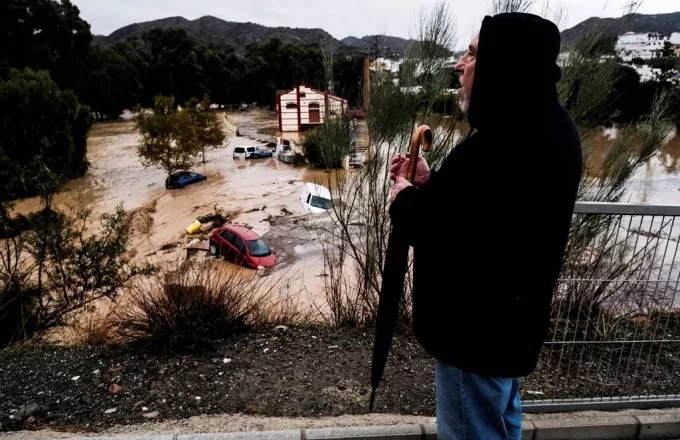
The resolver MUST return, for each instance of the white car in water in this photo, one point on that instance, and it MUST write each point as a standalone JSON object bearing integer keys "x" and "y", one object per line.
{"x": 315, "y": 198}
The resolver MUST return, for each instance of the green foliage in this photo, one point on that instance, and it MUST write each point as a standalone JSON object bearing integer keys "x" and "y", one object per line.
{"x": 50, "y": 35}
{"x": 112, "y": 84}
{"x": 45, "y": 35}
{"x": 60, "y": 266}
{"x": 172, "y": 138}
{"x": 272, "y": 66}
{"x": 329, "y": 144}
{"x": 208, "y": 131}
{"x": 43, "y": 135}
{"x": 167, "y": 138}
{"x": 348, "y": 77}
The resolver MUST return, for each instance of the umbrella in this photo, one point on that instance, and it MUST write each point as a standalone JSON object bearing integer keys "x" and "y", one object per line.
{"x": 396, "y": 262}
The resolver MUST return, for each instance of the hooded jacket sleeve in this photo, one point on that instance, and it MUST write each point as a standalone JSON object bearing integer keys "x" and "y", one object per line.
{"x": 416, "y": 206}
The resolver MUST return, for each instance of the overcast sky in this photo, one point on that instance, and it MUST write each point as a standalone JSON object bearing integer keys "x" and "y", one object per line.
{"x": 341, "y": 18}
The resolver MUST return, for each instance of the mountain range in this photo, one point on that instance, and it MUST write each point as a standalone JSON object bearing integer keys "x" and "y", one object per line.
{"x": 210, "y": 29}
{"x": 663, "y": 23}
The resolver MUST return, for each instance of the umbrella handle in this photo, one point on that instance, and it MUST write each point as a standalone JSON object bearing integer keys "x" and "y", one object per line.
{"x": 422, "y": 135}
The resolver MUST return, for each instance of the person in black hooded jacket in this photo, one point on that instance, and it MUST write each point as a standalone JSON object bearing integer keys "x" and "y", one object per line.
{"x": 489, "y": 228}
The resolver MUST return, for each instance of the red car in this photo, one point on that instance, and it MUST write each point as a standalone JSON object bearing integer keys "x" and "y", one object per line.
{"x": 242, "y": 246}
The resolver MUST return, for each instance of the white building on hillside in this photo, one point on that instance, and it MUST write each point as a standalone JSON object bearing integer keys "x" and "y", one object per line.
{"x": 646, "y": 45}
{"x": 305, "y": 107}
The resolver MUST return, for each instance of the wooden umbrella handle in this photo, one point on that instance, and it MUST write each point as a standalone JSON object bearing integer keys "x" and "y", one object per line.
{"x": 422, "y": 135}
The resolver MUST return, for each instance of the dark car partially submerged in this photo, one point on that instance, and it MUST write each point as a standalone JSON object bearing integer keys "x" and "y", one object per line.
{"x": 180, "y": 179}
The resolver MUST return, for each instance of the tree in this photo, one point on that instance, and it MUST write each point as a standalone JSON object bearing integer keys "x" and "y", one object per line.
{"x": 112, "y": 84}
{"x": 43, "y": 135}
{"x": 168, "y": 138}
{"x": 329, "y": 144}
{"x": 207, "y": 128}
{"x": 68, "y": 267}
{"x": 668, "y": 50}
{"x": 173, "y": 64}
{"x": 348, "y": 77}
{"x": 45, "y": 35}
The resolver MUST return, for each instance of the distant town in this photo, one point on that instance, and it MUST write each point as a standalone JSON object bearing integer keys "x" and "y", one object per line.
{"x": 639, "y": 48}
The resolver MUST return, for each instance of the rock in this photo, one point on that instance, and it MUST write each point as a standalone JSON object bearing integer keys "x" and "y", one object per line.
{"x": 110, "y": 410}
{"x": 152, "y": 415}
{"x": 138, "y": 404}
{"x": 115, "y": 388}
{"x": 280, "y": 328}
{"x": 87, "y": 400}
{"x": 27, "y": 410}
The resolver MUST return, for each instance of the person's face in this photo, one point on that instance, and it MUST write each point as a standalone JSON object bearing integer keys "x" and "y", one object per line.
{"x": 466, "y": 68}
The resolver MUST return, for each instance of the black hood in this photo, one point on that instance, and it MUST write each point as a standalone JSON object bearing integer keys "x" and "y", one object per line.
{"x": 516, "y": 71}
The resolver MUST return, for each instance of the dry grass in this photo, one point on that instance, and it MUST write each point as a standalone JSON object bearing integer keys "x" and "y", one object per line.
{"x": 94, "y": 329}
{"x": 201, "y": 302}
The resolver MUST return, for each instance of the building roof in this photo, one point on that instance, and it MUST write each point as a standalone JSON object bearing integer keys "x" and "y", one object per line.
{"x": 330, "y": 95}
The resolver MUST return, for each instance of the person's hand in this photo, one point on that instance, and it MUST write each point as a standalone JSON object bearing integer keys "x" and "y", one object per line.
{"x": 399, "y": 168}
{"x": 400, "y": 183}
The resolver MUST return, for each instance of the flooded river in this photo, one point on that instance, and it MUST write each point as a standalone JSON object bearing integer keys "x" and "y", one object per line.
{"x": 253, "y": 191}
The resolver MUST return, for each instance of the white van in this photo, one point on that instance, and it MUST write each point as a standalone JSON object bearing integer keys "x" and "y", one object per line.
{"x": 243, "y": 152}
{"x": 315, "y": 198}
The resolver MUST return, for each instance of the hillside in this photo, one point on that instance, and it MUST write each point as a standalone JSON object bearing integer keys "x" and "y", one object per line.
{"x": 387, "y": 45}
{"x": 214, "y": 30}
{"x": 664, "y": 23}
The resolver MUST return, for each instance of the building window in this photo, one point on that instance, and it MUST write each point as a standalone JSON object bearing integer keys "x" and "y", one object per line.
{"x": 314, "y": 105}
{"x": 291, "y": 106}
{"x": 303, "y": 94}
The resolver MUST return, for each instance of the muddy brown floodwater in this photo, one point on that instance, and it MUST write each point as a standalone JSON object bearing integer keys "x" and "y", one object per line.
{"x": 253, "y": 191}
{"x": 262, "y": 193}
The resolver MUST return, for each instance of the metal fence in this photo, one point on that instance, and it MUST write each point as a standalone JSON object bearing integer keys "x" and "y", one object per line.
{"x": 614, "y": 338}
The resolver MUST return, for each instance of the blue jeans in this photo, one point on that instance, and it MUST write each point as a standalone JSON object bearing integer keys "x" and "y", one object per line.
{"x": 475, "y": 407}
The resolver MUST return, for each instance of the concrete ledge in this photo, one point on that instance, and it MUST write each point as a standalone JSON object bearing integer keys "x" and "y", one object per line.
{"x": 399, "y": 432}
{"x": 629, "y": 426}
{"x": 587, "y": 428}
{"x": 528, "y": 430}
{"x": 127, "y": 437}
{"x": 280, "y": 435}
{"x": 666, "y": 426}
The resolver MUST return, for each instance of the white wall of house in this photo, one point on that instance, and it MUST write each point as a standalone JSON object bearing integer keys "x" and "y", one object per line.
{"x": 311, "y": 103}
{"x": 640, "y": 45}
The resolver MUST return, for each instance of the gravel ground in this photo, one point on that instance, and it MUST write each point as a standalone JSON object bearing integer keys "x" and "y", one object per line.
{"x": 301, "y": 372}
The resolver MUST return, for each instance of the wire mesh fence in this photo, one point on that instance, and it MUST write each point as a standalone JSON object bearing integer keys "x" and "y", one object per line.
{"x": 614, "y": 338}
